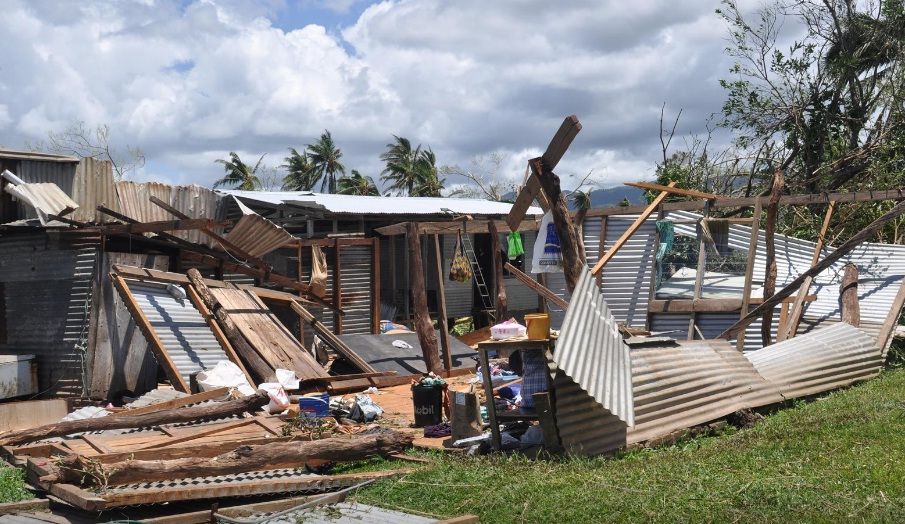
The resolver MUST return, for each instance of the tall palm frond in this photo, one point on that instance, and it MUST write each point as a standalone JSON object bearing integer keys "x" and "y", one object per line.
{"x": 301, "y": 175}
{"x": 401, "y": 169}
{"x": 239, "y": 175}
{"x": 357, "y": 184}
{"x": 428, "y": 182}
{"x": 324, "y": 157}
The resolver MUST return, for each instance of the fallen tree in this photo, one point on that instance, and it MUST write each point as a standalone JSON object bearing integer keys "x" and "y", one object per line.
{"x": 76, "y": 469}
{"x": 124, "y": 420}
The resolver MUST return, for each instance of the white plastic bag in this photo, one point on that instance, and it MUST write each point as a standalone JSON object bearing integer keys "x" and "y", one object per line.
{"x": 225, "y": 375}
{"x": 279, "y": 400}
{"x": 547, "y": 256}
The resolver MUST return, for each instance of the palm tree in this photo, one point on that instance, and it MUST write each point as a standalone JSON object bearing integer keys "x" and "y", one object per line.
{"x": 428, "y": 183}
{"x": 239, "y": 175}
{"x": 301, "y": 175}
{"x": 357, "y": 184}
{"x": 401, "y": 165}
{"x": 324, "y": 158}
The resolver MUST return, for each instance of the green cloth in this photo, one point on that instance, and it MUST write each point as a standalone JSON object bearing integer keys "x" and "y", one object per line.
{"x": 515, "y": 245}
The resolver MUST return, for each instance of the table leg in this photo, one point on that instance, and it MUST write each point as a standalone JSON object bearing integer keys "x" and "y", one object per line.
{"x": 495, "y": 439}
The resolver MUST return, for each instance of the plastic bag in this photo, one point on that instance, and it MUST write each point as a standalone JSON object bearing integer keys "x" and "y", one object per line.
{"x": 460, "y": 268}
{"x": 225, "y": 374}
{"x": 547, "y": 249}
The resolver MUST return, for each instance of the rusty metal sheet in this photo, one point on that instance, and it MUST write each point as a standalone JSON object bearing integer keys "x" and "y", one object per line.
{"x": 258, "y": 236}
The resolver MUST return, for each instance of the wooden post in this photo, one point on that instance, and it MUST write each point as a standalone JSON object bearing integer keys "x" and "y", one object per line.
{"x": 443, "y": 321}
{"x": 573, "y": 258}
{"x": 375, "y": 286}
{"x": 258, "y": 366}
{"x": 299, "y": 274}
{"x": 141, "y": 320}
{"x": 840, "y": 252}
{"x": 541, "y": 280}
{"x": 791, "y": 327}
{"x": 337, "y": 287}
{"x": 330, "y": 338}
{"x": 848, "y": 296}
{"x": 426, "y": 336}
{"x": 769, "y": 236}
{"x": 884, "y": 339}
{"x": 502, "y": 306}
{"x": 749, "y": 272}
{"x": 701, "y": 269}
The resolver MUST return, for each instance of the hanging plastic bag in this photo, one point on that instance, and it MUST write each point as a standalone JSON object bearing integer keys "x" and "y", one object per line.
{"x": 547, "y": 256}
{"x": 516, "y": 248}
{"x": 460, "y": 268}
{"x": 318, "y": 282}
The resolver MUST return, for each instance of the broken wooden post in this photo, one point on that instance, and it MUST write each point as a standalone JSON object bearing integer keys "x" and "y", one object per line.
{"x": 125, "y": 420}
{"x": 848, "y": 296}
{"x": 443, "y": 321}
{"x": 769, "y": 236}
{"x": 259, "y": 367}
{"x": 423, "y": 326}
{"x": 840, "y": 252}
{"x": 502, "y": 307}
{"x": 573, "y": 259}
{"x": 306, "y": 317}
{"x": 749, "y": 271}
{"x": 273, "y": 455}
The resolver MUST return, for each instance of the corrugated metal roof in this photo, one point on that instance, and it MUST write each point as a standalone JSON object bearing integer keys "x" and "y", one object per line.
{"x": 818, "y": 361}
{"x": 37, "y": 156}
{"x": 185, "y": 334}
{"x": 44, "y": 196}
{"x": 92, "y": 186}
{"x": 258, "y": 236}
{"x": 193, "y": 200}
{"x": 383, "y": 205}
{"x": 591, "y": 351}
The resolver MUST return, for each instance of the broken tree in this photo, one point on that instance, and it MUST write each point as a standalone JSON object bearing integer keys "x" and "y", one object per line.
{"x": 423, "y": 326}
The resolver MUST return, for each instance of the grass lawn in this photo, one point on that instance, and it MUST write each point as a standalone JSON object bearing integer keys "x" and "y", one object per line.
{"x": 839, "y": 458}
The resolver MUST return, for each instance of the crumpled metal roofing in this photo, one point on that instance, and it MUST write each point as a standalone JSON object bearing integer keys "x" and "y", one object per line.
{"x": 591, "y": 351}
{"x": 382, "y": 205}
{"x": 47, "y": 197}
{"x": 194, "y": 200}
{"x": 256, "y": 235}
{"x": 824, "y": 359}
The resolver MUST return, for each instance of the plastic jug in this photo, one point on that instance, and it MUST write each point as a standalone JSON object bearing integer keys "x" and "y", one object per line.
{"x": 538, "y": 325}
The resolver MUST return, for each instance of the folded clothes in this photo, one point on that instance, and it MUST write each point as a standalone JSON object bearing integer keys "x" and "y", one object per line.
{"x": 440, "y": 430}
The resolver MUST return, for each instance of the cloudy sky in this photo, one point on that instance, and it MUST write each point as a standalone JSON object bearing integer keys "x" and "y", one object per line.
{"x": 190, "y": 80}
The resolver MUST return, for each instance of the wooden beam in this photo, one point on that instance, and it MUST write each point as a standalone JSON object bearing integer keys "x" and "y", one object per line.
{"x": 375, "y": 286}
{"x": 502, "y": 307}
{"x": 573, "y": 256}
{"x": 423, "y": 326}
{"x": 443, "y": 320}
{"x": 557, "y": 147}
{"x": 797, "y": 309}
{"x": 848, "y": 296}
{"x": 337, "y": 287}
{"x": 840, "y": 252}
{"x": 701, "y": 270}
{"x": 542, "y": 291}
{"x": 884, "y": 338}
{"x": 749, "y": 271}
{"x": 141, "y": 320}
{"x": 217, "y": 330}
{"x": 452, "y": 227}
{"x": 160, "y": 226}
{"x": 766, "y": 328}
{"x": 178, "y": 402}
{"x": 707, "y": 305}
{"x": 786, "y": 200}
{"x": 331, "y": 339}
{"x": 650, "y": 186}
{"x": 632, "y": 229}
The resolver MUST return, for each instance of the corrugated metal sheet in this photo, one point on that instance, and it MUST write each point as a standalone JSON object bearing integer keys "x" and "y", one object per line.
{"x": 824, "y": 359}
{"x": 93, "y": 185}
{"x": 194, "y": 200}
{"x": 185, "y": 334}
{"x": 34, "y": 172}
{"x": 626, "y": 279}
{"x": 14, "y": 154}
{"x": 46, "y": 285}
{"x": 383, "y": 205}
{"x": 355, "y": 280}
{"x": 258, "y": 236}
{"x": 45, "y": 196}
{"x": 459, "y": 295}
{"x": 591, "y": 351}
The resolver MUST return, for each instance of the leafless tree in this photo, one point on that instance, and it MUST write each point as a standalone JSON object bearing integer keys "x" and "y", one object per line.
{"x": 84, "y": 141}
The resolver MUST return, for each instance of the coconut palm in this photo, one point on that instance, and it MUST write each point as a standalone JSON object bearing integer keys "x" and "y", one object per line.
{"x": 301, "y": 176}
{"x": 239, "y": 175}
{"x": 324, "y": 157}
{"x": 402, "y": 169}
{"x": 357, "y": 184}
{"x": 428, "y": 183}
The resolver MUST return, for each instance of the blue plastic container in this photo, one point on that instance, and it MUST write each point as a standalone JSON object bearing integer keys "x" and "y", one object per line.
{"x": 315, "y": 405}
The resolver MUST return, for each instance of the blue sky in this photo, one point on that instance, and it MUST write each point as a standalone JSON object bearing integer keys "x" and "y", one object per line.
{"x": 484, "y": 84}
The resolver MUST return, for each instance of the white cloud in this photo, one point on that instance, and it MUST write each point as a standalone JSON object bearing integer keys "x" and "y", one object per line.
{"x": 190, "y": 83}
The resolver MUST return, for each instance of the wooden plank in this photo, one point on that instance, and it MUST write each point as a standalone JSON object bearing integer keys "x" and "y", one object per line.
{"x": 672, "y": 190}
{"x": 528, "y": 194}
{"x": 571, "y": 247}
{"x": 100, "y": 447}
{"x": 701, "y": 270}
{"x": 884, "y": 338}
{"x": 452, "y": 227}
{"x": 632, "y": 229}
{"x": 161, "y": 226}
{"x": 163, "y": 358}
{"x": 30, "y": 413}
{"x": 204, "y": 431}
{"x": 218, "y": 331}
{"x": 789, "y": 330}
{"x": 331, "y": 339}
{"x": 708, "y": 305}
{"x": 337, "y": 287}
{"x": 840, "y": 252}
{"x": 501, "y": 302}
{"x": 375, "y": 286}
{"x": 766, "y": 327}
{"x": 535, "y": 286}
{"x": 749, "y": 271}
{"x": 442, "y": 319}
{"x": 786, "y": 200}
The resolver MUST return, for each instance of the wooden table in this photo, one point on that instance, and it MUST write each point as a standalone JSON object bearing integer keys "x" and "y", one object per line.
{"x": 504, "y": 348}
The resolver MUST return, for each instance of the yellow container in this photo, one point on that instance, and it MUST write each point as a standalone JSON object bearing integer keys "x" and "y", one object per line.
{"x": 538, "y": 325}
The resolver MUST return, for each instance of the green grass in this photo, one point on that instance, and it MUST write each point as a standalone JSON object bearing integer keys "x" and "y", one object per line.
{"x": 839, "y": 458}
{"x": 12, "y": 485}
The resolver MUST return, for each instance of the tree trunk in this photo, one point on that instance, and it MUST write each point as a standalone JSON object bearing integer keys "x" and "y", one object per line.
{"x": 769, "y": 235}
{"x": 274, "y": 455}
{"x": 502, "y": 306}
{"x": 256, "y": 364}
{"x": 124, "y": 420}
{"x": 572, "y": 255}
{"x": 848, "y": 296}
{"x": 423, "y": 326}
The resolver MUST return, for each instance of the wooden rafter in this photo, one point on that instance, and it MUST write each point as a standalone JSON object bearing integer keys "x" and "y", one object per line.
{"x": 536, "y": 286}
{"x": 672, "y": 190}
{"x": 452, "y": 227}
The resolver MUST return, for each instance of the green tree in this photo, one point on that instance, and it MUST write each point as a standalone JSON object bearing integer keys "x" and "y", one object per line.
{"x": 300, "y": 173}
{"x": 239, "y": 175}
{"x": 357, "y": 184}
{"x": 324, "y": 158}
{"x": 402, "y": 169}
{"x": 428, "y": 183}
